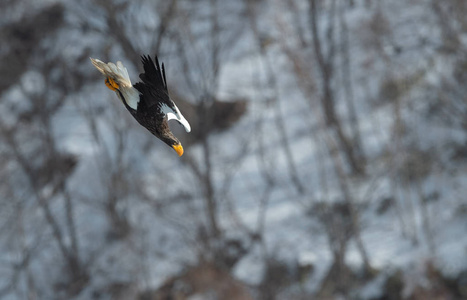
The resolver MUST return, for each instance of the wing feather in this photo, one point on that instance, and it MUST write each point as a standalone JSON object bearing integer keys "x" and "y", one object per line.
{"x": 154, "y": 92}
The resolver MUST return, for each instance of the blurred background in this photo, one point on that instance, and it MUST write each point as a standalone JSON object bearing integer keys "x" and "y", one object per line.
{"x": 327, "y": 158}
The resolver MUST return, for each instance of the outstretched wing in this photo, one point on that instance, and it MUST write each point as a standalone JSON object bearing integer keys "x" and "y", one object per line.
{"x": 154, "y": 92}
{"x": 154, "y": 85}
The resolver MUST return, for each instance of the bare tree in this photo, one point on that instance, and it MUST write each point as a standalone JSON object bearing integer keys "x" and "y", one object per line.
{"x": 271, "y": 97}
{"x": 46, "y": 174}
{"x": 326, "y": 67}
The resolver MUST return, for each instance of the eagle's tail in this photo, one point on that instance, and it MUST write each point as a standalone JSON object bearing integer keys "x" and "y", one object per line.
{"x": 117, "y": 78}
{"x": 117, "y": 72}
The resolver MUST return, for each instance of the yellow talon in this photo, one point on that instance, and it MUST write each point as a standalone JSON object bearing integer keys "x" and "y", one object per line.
{"x": 111, "y": 84}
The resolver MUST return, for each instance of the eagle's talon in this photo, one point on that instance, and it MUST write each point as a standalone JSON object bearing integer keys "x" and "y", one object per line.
{"x": 111, "y": 84}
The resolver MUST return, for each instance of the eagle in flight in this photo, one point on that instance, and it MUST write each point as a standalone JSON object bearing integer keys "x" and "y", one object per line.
{"x": 147, "y": 101}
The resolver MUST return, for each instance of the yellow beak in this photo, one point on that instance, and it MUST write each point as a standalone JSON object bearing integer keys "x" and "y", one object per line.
{"x": 179, "y": 149}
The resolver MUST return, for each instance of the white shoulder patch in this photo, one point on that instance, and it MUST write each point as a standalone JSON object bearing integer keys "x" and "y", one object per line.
{"x": 176, "y": 115}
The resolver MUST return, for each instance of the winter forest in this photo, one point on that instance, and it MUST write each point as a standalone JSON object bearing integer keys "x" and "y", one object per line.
{"x": 327, "y": 158}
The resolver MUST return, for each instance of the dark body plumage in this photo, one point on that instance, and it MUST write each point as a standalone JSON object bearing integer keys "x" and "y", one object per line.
{"x": 148, "y": 101}
{"x": 154, "y": 95}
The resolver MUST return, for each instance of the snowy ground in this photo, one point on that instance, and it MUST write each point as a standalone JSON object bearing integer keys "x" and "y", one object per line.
{"x": 160, "y": 246}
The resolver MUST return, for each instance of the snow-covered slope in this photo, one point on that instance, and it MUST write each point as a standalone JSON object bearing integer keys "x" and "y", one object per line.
{"x": 278, "y": 181}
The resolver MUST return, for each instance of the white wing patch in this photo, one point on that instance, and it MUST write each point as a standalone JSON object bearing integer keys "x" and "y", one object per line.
{"x": 175, "y": 115}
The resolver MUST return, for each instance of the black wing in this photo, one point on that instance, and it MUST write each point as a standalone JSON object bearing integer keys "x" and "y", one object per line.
{"x": 153, "y": 74}
{"x": 153, "y": 89}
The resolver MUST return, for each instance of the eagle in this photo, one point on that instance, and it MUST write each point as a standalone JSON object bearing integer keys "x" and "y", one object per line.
{"x": 148, "y": 101}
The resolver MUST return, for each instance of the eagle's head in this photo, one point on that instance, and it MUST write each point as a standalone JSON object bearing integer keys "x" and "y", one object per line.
{"x": 169, "y": 138}
{"x": 173, "y": 142}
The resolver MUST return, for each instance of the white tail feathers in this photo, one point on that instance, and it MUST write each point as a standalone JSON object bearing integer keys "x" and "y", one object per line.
{"x": 117, "y": 72}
